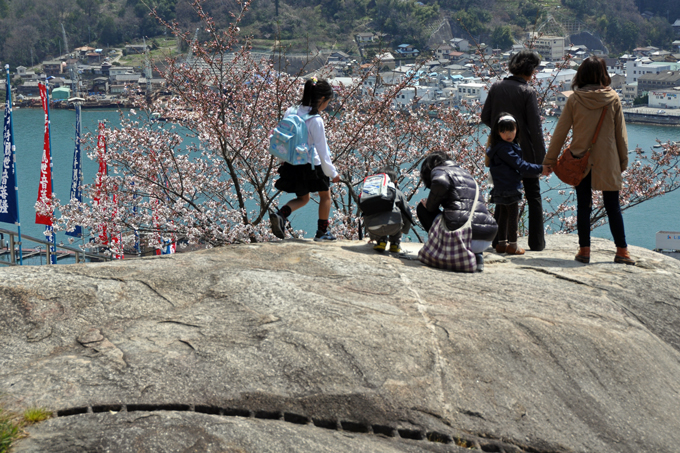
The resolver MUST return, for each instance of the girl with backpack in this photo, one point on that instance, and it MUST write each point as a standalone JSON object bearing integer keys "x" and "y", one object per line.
{"x": 303, "y": 179}
{"x": 507, "y": 170}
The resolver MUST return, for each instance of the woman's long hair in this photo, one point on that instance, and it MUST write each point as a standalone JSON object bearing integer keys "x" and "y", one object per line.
{"x": 593, "y": 71}
{"x": 316, "y": 91}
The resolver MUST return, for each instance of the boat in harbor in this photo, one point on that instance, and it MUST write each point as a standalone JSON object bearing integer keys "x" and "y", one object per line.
{"x": 663, "y": 145}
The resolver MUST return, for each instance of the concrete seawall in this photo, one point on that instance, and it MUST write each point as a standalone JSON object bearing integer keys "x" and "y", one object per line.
{"x": 648, "y": 115}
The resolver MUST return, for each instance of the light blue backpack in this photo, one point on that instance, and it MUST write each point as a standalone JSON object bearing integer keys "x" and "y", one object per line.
{"x": 288, "y": 140}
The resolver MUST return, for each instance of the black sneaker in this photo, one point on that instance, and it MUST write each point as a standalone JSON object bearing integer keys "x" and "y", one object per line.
{"x": 278, "y": 225}
{"x": 321, "y": 236}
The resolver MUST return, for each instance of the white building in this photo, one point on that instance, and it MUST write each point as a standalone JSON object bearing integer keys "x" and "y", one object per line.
{"x": 365, "y": 37}
{"x": 461, "y": 44}
{"x": 551, "y": 48}
{"x": 614, "y": 66}
{"x": 442, "y": 52}
{"x": 629, "y": 91}
{"x": 406, "y": 96}
{"x": 636, "y": 68}
{"x": 126, "y": 78}
{"x": 561, "y": 98}
{"x": 472, "y": 91}
{"x": 558, "y": 78}
{"x": 667, "y": 99}
{"x": 386, "y": 59}
{"x": 373, "y": 84}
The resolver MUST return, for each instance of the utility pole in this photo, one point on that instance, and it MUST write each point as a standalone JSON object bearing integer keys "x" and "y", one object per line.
{"x": 190, "y": 55}
{"x": 147, "y": 65}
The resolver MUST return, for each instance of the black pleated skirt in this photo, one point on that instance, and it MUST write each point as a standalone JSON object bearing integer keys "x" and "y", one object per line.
{"x": 301, "y": 179}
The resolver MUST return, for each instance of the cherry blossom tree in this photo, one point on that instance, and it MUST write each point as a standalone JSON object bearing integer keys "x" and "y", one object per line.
{"x": 204, "y": 173}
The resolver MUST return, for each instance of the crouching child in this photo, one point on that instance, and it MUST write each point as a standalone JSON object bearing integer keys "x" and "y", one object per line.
{"x": 385, "y": 210}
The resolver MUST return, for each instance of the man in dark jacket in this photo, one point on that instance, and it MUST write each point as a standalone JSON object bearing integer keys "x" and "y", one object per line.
{"x": 514, "y": 95}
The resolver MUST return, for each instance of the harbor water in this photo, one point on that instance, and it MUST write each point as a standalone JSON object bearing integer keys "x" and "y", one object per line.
{"x": 642, "y": 222}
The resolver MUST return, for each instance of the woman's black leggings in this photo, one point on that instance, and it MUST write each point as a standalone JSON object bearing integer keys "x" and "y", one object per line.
{"x": 584, "y": 206}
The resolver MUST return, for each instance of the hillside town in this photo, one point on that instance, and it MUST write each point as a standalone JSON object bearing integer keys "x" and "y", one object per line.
{"x": 447, "y": 74}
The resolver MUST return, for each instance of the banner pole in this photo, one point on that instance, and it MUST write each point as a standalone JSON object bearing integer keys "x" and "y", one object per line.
{"x": 53, "y": 255}
{"x": 14, "y": 164}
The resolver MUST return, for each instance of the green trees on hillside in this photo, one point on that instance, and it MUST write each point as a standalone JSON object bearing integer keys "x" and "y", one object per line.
{"x": 473, "y": 20}
{"x": 4, "y": 8}
{"x": 659, "y": 32}
{"x": 622, "y": 34}
{"x": 30, "y": 31}
{"x": 501, "y": 37}
{"x": 667, "y": 9}
{"x": 404, "y": 21}
{"x": 580, "y": 7}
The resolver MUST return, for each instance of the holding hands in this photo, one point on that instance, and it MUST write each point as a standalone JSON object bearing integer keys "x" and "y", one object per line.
{"x": 547, "y": 169}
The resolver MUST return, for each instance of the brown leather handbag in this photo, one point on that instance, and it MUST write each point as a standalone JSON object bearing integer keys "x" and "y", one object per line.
{"x": 571, "y": 169}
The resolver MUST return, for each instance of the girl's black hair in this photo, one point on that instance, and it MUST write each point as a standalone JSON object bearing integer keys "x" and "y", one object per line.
{"x": 502, "y": 125}
{"x": 593, "y": 71}
{"x": 524, "y": 62}
{"x": 391, "y": 172}
{"x": 430, "y": 162}
{"x": 315, "y": 92}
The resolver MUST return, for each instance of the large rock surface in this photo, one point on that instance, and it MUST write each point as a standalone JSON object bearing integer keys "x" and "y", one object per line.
{"x": 301, "y": 346}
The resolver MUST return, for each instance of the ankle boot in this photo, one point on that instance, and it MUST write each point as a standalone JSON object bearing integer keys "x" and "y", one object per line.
{"x": 583, "y": 255}
{"x": 502, "y": 246}
{"x": 623, "y": 257}
{"x": 514, "y": 249}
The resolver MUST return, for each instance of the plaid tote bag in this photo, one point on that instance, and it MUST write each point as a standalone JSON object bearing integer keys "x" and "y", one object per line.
{"x": 448, "y": 249}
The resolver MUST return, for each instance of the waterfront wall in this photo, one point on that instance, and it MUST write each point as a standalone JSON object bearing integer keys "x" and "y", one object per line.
{"x": 651, "y": 118}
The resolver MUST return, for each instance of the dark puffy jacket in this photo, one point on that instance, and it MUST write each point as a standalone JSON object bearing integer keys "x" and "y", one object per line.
{"x": 515, "y": 96}
{"x": 453, "y": 189}
{"x": 508, "y": 168}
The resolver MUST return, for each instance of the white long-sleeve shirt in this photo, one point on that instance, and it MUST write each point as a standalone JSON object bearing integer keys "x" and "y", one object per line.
{"x": 316, "y": 135}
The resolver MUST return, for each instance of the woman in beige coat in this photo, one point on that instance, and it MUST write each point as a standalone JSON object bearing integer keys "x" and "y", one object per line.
{"x": 608, "y": 156}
